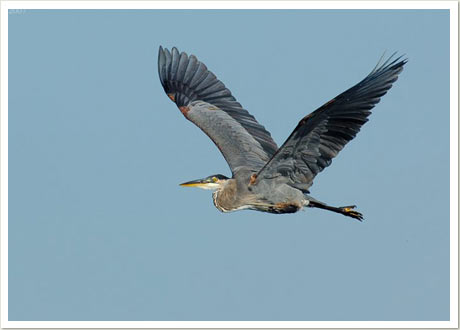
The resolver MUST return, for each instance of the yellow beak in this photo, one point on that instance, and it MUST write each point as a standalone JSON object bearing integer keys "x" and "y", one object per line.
{"x": 203, "y": 184}
{"x": 193, "y": 184}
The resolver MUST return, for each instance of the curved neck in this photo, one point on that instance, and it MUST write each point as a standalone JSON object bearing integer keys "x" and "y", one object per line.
{"x": 224, "y": 198}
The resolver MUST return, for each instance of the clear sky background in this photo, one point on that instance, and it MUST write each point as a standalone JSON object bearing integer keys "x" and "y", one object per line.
{"x": 99, "y": 228}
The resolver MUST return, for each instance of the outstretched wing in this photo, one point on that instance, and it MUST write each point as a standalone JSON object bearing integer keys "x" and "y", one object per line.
{"x": 237, "y": 134}
{"x": 323, "y": 133}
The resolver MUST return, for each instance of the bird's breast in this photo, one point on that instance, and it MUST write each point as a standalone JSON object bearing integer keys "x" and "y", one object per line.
{"x": 230, "y": 197}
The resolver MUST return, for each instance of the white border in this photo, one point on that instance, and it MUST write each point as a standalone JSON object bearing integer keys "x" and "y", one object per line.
{"x": 454, "y": 164}
{"x": 4, "y": 165}
{"x": 451, "y": 5}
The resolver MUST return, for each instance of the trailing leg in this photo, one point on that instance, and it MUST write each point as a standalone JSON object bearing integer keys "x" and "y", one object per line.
{"x": 345, "y": 210}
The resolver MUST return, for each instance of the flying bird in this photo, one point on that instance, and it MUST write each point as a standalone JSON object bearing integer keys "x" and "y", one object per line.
{"x": 264, "y": 177}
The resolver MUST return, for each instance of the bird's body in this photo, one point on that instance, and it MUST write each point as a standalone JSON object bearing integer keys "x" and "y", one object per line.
{"x": 265, "y": 177}
{"x": 235, "y": 194}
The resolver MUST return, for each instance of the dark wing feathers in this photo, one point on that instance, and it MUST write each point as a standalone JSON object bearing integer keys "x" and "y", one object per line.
{"x": 323, "y": 133}
{"x": 185, "y": 79}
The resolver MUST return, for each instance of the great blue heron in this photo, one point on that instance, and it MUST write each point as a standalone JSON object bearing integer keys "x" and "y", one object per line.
{"x": 265, "y": 177}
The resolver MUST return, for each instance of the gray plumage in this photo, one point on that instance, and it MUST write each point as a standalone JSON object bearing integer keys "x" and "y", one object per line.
{"x": 264, "y": 177}
{"x": 187, "y": 80}
{"x": 240, "y": 149}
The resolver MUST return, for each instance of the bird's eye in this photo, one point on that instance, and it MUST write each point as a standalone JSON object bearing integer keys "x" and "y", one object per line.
{"x": 214, "y": 179}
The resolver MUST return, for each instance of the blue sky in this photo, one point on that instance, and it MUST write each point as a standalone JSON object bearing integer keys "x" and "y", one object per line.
{"x": 99, "y": 228}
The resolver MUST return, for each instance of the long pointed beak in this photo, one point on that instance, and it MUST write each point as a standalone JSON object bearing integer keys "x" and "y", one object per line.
{"x": 194, "y": 183}
{"x": 201, "y": 183}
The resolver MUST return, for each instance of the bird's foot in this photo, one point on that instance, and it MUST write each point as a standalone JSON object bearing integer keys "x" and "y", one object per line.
{"x": 349, "y": 212}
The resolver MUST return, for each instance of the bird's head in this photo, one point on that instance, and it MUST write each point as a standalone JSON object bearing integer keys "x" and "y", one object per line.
{"x": 211, "y": 182}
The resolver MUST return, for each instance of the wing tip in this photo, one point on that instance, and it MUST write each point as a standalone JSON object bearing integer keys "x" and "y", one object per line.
{"x": 186, "y": 77}
{"x": 391, "y": 63}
